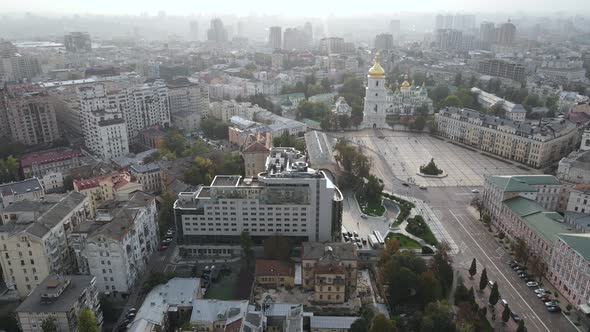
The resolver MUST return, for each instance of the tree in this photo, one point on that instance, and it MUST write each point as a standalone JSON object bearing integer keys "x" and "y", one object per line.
{"x": 477, "y": 203}
{"x": 380, "y": 323}
{"x": 200, "y": 172}
{"x": 403, "y": 285}
{"x": 521, "y": 251}
{"x": 373, "y": 188}
{"x": 246, "y": 244}
{"x": 439, "y": 93}
{"x": 49, "y": 325}
{"x": 419, "y": 123}
{"x": 458, "y": 79}
{"x": 231, "y": 164}
{"x": 473, "y": 268}
{"x": 437, "y": 317}
{"x": 360, "y": 325}
{"x": 506, "y": 314}
{"x": 521, "y": 327}
{"x": 277, "y": 247}
{"x": 288, "y": 140}
{"x": 69, "y": 182}
{"x": 166, "y": 214}
{"x": 430, "y": 168}
{"x": 451, "y": 101}
{"x": 87, "y": 321}
{"x": 486, "y": 219}
{"x": 215, "y": 129}
{"x": 344, "y": 121}
{"x": 428, "y": 288}
{"x": 494, "y": 294}
{"x": 483, "y": 280}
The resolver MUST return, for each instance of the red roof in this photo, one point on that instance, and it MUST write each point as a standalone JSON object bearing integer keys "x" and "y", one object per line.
{"x": 269, "y": 267}
{"x": 578, "y": 117}
{"x": 83, "y": 184}
{"x": 256, "y": 147}
{"x": 329, "y": 269}
{"x": 48, "y": 157}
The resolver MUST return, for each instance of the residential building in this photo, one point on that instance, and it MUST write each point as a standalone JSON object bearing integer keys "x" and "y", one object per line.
{"x": 381, "y": 101}
{"x": 501, "y": 68}
{"x": 332, "y": 45}
{"x": 214, "y": 315}
{"x": 575, "y": 167}
{"x": 167, "y": 302}
{"x": 52, "y": 181}
{"x": 562, "y": 70}
{"x": 274, "y": 273}
{"x": 78, "y": 42}
{"x": 188, "y": 102}
{"x": 283, "y": 316}
{"x": 115, "y": 246}
{"x": 254, "y": 152}
{"x": 505, "y": 33}
{"x": 217, "y": 33}
{"x": 579, "y": 199}
{"x": 16, "y": 67}
{"x": 384, "y": 41}
{"x": 148, "y": 175}
{"x": 533, "y": 143}
{"x": 569, "y": 268}
{"x": 105, "y": 133}
{"x": 275, "y": 38}
{"x": 40, "y": 163}
{"x": 329, "y": 270}
{"x": 331, "y": 323}
{"x": 152, "y": 137}
{"x": 295, "y": 39}
{"x": 449, "y": 39}
{"x": 487, "y": 34}
{"x": 288, "y": 199}
{"x": 29, "y": 189}
{"x": 60, "y": 297}
{"x": 514, "y": 112}
{"x": 30, "y": 114}
{"x": 194, "y": 30}
{"x": 34, "y": 239}
{"x": 115, "y": 186}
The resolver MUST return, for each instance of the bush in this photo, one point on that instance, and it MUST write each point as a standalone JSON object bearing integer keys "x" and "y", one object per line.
{"x": 427, "y": 250}
{"x": 501, "y": 235}
{"x": 430, "y": 168}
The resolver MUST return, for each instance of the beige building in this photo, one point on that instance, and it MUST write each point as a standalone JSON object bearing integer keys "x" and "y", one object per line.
{"x": 59, "y": 297}
{"x": 570, "y": 268}
{"x": 108, "y": 187}
{"x": 330, "y": 270}
{"x": 535, "y": 144}
{"x": 34, "y": 239}
{"x": 274, "y": 273}
{"x": 255, "y": 154}
{"x": 148, "y": 175}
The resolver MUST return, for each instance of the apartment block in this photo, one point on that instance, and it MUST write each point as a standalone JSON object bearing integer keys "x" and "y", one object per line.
{"x": 329, "y": 270}
{"x": 34, "y": 239}
{"x": 116, "y": 244}
{"x": 288, "y": 199}
{"x": 188, "y": 101}
{"x": 40, "y": 163}
{"x": 501, "y": 68}
{"x": 579, "y": 199}
{"x": 533, "y": 143}
{"x": 116, "y": 186}
{"x": 60, "y": 297}
{"x": 29, "y": 189}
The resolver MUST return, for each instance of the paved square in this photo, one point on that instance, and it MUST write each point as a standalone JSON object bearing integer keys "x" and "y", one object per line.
{"x": 405, "y": 152}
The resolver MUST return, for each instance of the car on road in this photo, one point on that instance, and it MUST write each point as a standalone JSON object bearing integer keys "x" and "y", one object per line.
{"x": 364, "y": 216}
{"x": 551, "y": 304}
{"x": 504, "y": 303}
{"x": 554, "y": 308}
{"x": 522, "y": 275}
{"x": 475, "y": 191}
{"x": 540, "y": 290}
{"x": 405, "y": 184}
{"x": 491, "y": 284}
{"x": 515, "y": 317}
{"x": 422, "y": 187}
{"x": 532, "y": 284}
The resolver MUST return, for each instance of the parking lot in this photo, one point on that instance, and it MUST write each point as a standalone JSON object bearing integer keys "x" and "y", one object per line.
{"x": 405, "y": 152}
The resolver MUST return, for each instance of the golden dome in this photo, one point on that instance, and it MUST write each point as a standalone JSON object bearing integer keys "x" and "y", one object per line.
{"x": 377, "y": 70}
{"x": 406, "y": 84}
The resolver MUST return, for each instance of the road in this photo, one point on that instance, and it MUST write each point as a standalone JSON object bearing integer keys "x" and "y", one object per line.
{"x": 451, "y": 204}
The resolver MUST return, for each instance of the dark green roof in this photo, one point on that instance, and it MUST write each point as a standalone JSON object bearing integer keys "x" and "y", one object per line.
{"x": 523, "y": 206}
{"x": 578, "y": 242}
{"x": 522, "y": 183}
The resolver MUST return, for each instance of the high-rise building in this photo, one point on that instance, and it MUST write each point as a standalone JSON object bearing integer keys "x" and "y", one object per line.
{"x": 463, "y": 22}
{"x": 295, "y": 39}
{"x": 188, "y": 103}
{"x": 217, "y": 33}
{"x": 275, "y": 36}
{"x": 78, "y": 42}
{"x": 501, "y": 68}
{"x": 194, "y": 30}
{"x": 288, "y": 199}
{"x": 332, "y": 45}
{"x": 30, "y": 113}
{"x": 384, "y": 41}
{"x": 307, "y": 28}
{"x": 16, "y": 67}
{"x": 487, "y": 34}
{"x": 395, "y": 28}
{"x": 449, "y": 39}
{"x": 505, "y": 33}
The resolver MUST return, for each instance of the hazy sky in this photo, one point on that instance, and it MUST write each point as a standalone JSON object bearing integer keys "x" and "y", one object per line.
{"x": 307, "y": 8}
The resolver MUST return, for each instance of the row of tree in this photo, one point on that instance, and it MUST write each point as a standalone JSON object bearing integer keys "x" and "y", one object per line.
{"x": 310, "y": 87}
{"x": 203, "y": 170}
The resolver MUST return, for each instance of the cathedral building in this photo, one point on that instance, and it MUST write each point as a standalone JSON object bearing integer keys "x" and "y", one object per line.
{"x": 381, "y": 101}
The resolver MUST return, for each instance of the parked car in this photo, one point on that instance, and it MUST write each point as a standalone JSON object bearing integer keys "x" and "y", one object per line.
{"x": 554, "y": 309}
{"x": 359, "y": 245}
{"x": 540, "y": 295}
{"x": 491, "y": 284}
{"x": 405, "y": 184}
{"x": 167, "y": 240}
{"x": 364, "y": 216}
{"x": 346, "y": 238}
{"x": 546, "y": 298}
{"x": 130, "y": 315}
{"x": 355, "y": 234}
{"x": 516, "y": 267}
{"x": 132, "y": 310}
{"x": 539, "y": 290}
{"x": 364, "y": 241}
{"x": 475, "y": 191}
{"x": 523, "y": 275}
{"x": 504, "y": 303}
{"x": 515, "y": 317}
{"x": 551, "y": 304}
{"x": 532, "y": 284}
{"x": 422, "y": 187}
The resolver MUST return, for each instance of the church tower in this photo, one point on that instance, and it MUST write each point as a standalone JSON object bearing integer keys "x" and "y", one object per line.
{"x": 375, "y": 97}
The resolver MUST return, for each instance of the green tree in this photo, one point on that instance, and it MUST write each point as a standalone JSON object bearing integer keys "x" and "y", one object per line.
{"x": 494, "y": 294}
{"x": 201, "y": 171}
{"x": 287, "y": 140}
{"x": 87, "y": 321}
{"x": 521, "y": 251}
{"x": 373, "y": 188}
{"x": 486, "y": 219}
{"x": 521, "y": 327}
{"x": 277, "y": 247}
{"x": 437, "y": 317}
{"x": 380, "y": 323}
{"x": 69, "y": 182}
{"x": 344, "y": 121}
{"x": 451, "y": 101}
{"x": 166, "y": 214}
{"x": 246, "y": 244}
{"x": 360, "y": 325}
{"x": 419, "y": 123}
{"x": 483, "y": 280}
{"x": 430, "y": 168}
{"x": 231, "y": 164}
{"x": 403, "y": 285}
{"x": 458, "y": 79}
{"x": 428, "y": 288}
{"x": 439, "y": 93}
{"x": 506, "y": 314}
{"x": 472, "y": 269}
{"x": 49, "y": 325}
{"x": 215, "y": 129}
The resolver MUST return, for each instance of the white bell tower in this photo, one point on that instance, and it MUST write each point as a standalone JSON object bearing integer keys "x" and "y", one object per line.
{"x": 374, "y": 111}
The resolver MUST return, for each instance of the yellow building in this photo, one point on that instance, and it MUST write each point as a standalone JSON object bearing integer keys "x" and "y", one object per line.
{"x": 274, "y": 273}
{"x": 108, "y": 187}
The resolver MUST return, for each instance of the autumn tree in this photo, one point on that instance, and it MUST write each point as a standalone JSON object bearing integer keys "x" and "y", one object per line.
{"x": 87, "y": 321}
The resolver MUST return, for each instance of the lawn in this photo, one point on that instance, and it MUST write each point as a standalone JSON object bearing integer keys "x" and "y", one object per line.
{"x": 224, "y": 289}
{"x": 418, "y": 227}
{"x": 404, "y": 241}
{"x": 371, "y": 208}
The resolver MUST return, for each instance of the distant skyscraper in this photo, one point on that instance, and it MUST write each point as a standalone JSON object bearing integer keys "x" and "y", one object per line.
{"x": 217, "y": 33}
{"x": 308, "y": 31}
{"x": 384, "y": 41}
{"x": 194, "y": 30}
{"x": 487, "y": 34}
{"x": 438, "y": 22}
{"x": 275, "y": 38}
{"x": 294, "y": 39}
{"x": 464, "y": 22}
{"x": 505, "y": 34}
{"x": 78, "y": 42}
{"x": 449, "y": 39}
{"x": 332, "y": 45}
{"x": 395, "y": 28}
{"x": 448, "y": 22}
{"x": 240, "y": 28}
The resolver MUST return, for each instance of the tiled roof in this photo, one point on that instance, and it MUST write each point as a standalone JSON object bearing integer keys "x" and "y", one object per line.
{"x": 269, "y": 267}
{"x": 48, "y": 157}
{"x": 256, "y": 147}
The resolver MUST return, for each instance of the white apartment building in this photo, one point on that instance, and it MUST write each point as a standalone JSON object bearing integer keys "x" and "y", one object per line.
{"x": 105, "y": 133}
{"x": 148, "y": 175}
{"x": 187, "y": 101}
{"x": 60, "y": 297}
{"x": 575, "y": 167}
{"x": 29, "y": 189}
{"x": 533, "y": 143}
{"x": 288, "y": 199}
{"x": 116, "y": 245}
{"x": 579, "y": 199}
{"x": 34, "y": 239}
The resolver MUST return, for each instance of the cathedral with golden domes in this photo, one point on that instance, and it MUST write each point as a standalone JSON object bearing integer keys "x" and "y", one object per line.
{"x": 381, "y": 100}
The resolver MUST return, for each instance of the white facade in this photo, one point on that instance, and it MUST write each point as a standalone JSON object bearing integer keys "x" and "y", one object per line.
{"x": 188, "y": 102}
{"x": 116, "y": 246}
{"x": 52, "y": 181}
{"x": 289, "y": 199}
{"x": 579, "y": 199}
